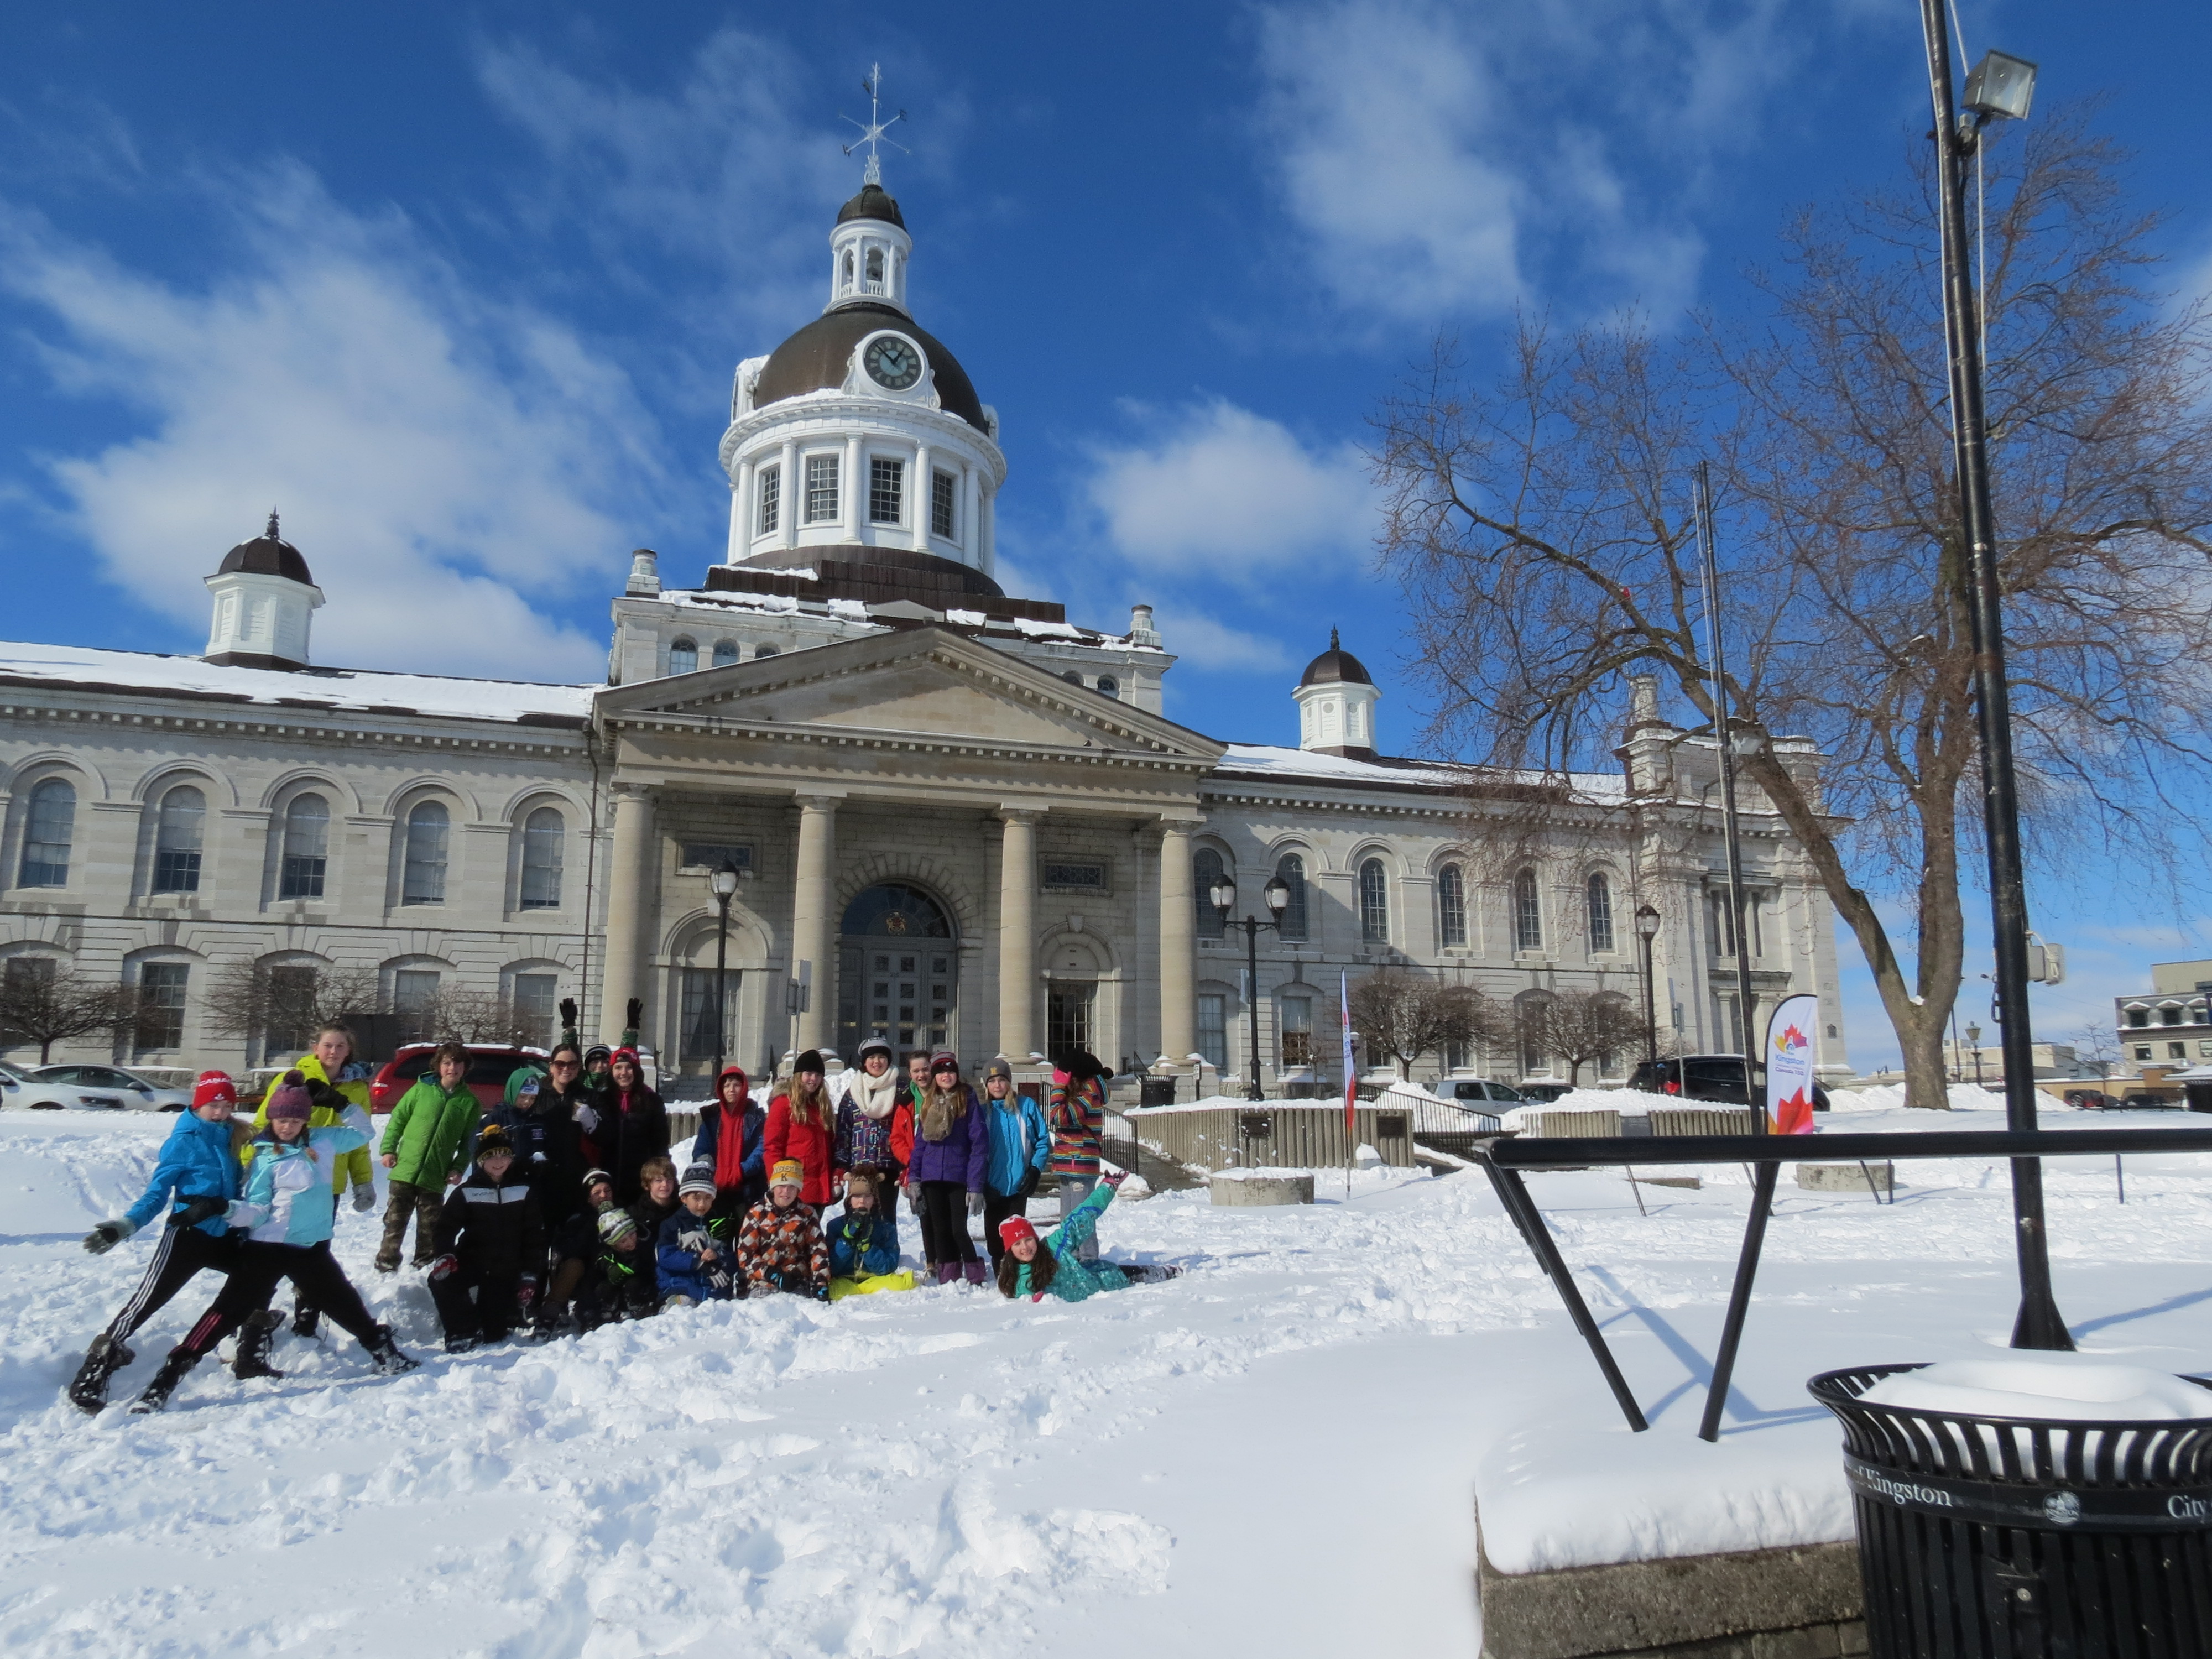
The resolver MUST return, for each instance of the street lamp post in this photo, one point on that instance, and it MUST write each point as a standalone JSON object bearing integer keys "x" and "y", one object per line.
{"x": 1647, "y": 929}
{"x": 1277, "y": 893}
{"x": 1974, "y": 1043}
{"x": 2001, "y": 86}
{"x": 724, "y": 881}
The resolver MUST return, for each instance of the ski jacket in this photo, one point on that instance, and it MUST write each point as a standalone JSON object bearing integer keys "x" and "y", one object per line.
{"x": 288, "y": 1198}
{"x": 196, "y": 1162}
{"x": 775, "y": 1244}
{"x": 356, "y": 1168}
{"x": 962, "y": 1156}
{"x": 717, "y": 1124}
{"x": 863, "y": 1244}
{"x": 629, "y": 1129}
{"x": 1074, "y": 1279}
{"x": 812, "y": 1143}
{"x": 1020, "y": 1144}
{"x": 432, "y": 1132}
{"x": 864, "y": 1140}
{"x": 684, "y": 1240}
{"x": 547, "y": 1150}
{"x": 494, "y": 1226}
{"x": 1078, "y": 1121}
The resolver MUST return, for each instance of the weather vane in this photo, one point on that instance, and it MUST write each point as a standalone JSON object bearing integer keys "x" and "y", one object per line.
{"x": 873, "y": 133}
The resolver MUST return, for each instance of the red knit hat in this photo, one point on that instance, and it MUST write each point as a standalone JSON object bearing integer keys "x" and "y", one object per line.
{"x": 1014, "y": 1229}
{"x": 212, "y": 1087}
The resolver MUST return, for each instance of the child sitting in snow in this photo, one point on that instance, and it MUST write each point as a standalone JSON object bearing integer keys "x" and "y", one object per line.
{"x": 781, "y": 1246}
{"x": 619, "y": 1283}
{"x": 694, "y": 1266}
{"x": 1034, "y": 1267}
{"x": 575, "y": 1247}
{"x": 652, "y": 1205}
{"x": 864, "y": 1242}
{"x": 490, "y": 1242}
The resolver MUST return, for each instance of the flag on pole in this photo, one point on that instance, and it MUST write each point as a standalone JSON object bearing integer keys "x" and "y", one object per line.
{"x": 1351, "y": 1077}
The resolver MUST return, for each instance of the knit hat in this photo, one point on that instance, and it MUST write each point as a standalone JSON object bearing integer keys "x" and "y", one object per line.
{"x": 1014, "y": 1229}
{"x": 809, "y": 1061}
{"x": 1000, "y": 1067}
{"x": 789, "y": 1172}
{"x": 597, "y": 1178}
{"x": 615, "y": 1225}
{"x": 212, "y": 1087}
{"x": 598, "y": 1052}
{"x": 698, "y": 1178}
{"x": 290, "y": 1098}
{"x": 876, "y": 1045}
{"x": 1081, "y": 1065}
{"x": 942, "y": 1059}
{"x": 624, "y": 1053}
{"x": 494, "y": 1140}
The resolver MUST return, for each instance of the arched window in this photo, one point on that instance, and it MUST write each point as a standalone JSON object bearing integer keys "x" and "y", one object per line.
{"x": 543, "y": 832}
{"x": 1110, "y": 685}
{"x": 1451, "y": 905}
{"x": 177, "y": 840}
{"x": 682, "y": 655}
{"x": 1072, "y": 676}
{"x": 1527, "y": 913}
{"x": 1601, "y": 912}
{"x": 1204, "y": 872}
{"x": 46, "y": 831}
{"x": 1374, "y": 902}
{"x": 875, "y": 270}
{"x": 849, "y": 268}
{"x": 726, "y": 652}
{"x": 307, "y": 847}
{"x": 764, "y": 651}
{"x": 423, "y": 881}
{"x": 1290, "y": 870}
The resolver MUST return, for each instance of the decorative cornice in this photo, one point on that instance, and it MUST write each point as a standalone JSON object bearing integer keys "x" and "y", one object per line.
{"x": 247, "y": 727}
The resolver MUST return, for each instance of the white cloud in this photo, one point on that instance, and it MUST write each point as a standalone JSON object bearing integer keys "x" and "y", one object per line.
{"x": 1205, "y": 645}
{"x": 1222, "y": 491}
{"x": 442, "y": 459}
{"x": 1447, "y": 161}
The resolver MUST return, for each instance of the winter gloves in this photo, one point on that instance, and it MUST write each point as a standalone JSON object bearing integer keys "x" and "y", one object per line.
{"x": 364, "y": 1196}
{"x": 587, "y": 1119}
{"x": 106, "y": 1235}
{"x": 975, "y": 1204}
{"x": 442, "y": 1269}
{"x": 1115, "y": 1179}
{"x": 194, "y": 1211}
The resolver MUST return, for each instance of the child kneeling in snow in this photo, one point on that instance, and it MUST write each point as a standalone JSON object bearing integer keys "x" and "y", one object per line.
{"x": 695, "y": 1266}
{"x": 864, "y": 1242}
{"x": 491, "y": 1241}
{"x": 286, "y": 1208}
{"x": 575, "y": 1247}
{"x": 1033, "y": 1267}
{"x": 781, "y": 1246}
{"x": 619, "y": 1283}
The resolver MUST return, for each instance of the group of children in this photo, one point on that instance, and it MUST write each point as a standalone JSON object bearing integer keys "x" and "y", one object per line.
{"x": 561, "y": 1210}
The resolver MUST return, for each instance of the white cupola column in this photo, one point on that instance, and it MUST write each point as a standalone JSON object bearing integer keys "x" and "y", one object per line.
{"x": 264, "y": 600}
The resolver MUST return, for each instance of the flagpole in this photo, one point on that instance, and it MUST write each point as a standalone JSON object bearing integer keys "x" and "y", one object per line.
{"x": 1351, "y": 1078}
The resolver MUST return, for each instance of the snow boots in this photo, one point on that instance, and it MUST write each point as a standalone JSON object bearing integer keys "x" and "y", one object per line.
{"x": 384, "y": 1354}
{"x": 305, "y": 1320}
{"x": 254, "y": 1340}
{"x": 973, "y": 1271}
{"x": 88, "y": 1389}
{"x": 173, "y": 1370}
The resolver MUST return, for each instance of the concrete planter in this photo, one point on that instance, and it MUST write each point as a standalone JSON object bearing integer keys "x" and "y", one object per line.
{"x": 1846, "y": 1178}
{"x": 1235, "y": 1187}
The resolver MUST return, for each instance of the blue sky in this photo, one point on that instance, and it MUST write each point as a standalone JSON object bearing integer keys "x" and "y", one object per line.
{"x": 460, "y": 289}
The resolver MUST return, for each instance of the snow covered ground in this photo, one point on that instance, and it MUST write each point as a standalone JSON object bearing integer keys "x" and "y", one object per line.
{"x": 1277, "y": 1452}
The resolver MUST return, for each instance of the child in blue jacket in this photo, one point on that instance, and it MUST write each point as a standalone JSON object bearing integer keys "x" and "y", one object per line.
{"x": 194, "y": 1182}
{"x": 1021, "y": 1146}
{"x": 864, "y": 1242}
{"x": 695, "y": 1266}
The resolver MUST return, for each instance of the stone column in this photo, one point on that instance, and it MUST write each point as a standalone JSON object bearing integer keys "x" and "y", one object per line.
{"x": 969, "y": 529}
{"x": 1178, "y": 943}
{"x": 790, "y": 493}
{"x": 919, "y": 497}
{"x": 988, "y": 537}
{"x": 813, "y": 926}
{"x": 1017, "y": 934}
{"x": 632, "y": 892}
{"x": 856, "y": 491}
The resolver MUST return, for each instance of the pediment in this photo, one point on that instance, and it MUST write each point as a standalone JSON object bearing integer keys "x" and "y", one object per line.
{"x": 927, "y": 683}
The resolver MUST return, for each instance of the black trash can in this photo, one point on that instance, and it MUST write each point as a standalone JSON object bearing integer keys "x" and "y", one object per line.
{"x": 2012, "y": 1538}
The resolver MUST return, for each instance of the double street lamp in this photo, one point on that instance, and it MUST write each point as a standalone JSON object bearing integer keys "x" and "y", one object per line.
{"x": 724, "y": 882}
{"x": 1223, "y": 894}
{"x": 1647, "y": 929}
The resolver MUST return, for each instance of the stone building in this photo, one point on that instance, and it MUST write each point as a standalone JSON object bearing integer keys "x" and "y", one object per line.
{"x": 956, "y": 817}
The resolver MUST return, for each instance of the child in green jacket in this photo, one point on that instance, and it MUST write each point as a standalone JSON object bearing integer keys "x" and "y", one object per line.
{"x": 428, "y": 1144}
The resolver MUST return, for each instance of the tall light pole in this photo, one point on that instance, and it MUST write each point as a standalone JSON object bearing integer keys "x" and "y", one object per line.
{"x": 724, "y": 881}
{"x": 1647, "y": 929}
{"x": 1223, "y": 894}
{"x": 1974, "y": 1043}
{"x": 2001, "y": 86}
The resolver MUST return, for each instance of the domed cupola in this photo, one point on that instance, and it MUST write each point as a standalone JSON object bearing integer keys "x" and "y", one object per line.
{"x": 1336, "y": 698}
{"x": 264, "y": 596}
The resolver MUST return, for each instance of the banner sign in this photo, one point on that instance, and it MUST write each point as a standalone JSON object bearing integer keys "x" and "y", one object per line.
{"x": 1789, "y": 1064}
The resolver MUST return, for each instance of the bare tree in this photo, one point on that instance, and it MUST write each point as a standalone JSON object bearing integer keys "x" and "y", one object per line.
{"x": 46, "y": 1002}
{"x": 2096, "y": 1043}
{"x": 1542, "y": 529}
{"x": 1402, "y": 1017}
{"x": 1582, "y": 1027}
{"x": 278, "y": 1006}
{"x": 462, "y": 1016}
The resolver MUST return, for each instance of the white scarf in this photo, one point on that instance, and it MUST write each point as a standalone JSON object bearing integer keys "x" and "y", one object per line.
{"x": 874, "y": 1095}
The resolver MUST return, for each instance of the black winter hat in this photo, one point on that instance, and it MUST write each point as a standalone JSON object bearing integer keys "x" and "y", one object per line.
{"x": 809, "y": 1061}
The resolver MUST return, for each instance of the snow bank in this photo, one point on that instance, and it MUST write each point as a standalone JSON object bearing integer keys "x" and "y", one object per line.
{"x": 1890, "y": 1097}
{"x": 2057, "y": 1387}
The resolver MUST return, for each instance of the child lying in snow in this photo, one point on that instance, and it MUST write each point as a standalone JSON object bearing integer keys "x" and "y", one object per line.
{"x": 1032, "y": 1267}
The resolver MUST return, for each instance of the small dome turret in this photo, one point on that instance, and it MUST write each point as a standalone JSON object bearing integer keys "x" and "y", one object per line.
{"x": 1335, "y": 666}
{"x": 265, "y": 598}
{"x": 1336, "y": 699}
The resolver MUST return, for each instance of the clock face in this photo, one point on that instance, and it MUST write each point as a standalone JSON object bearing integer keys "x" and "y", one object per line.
{"x": 891, "y": 362}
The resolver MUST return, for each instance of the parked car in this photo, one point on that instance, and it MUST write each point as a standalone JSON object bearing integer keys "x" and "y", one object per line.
{"x": 1476, "y": 1091}
{"x": 491, "y": 1065}
{"x": 2141, "y": 1103}
{"x": 1704, "y": 1077}
{"x": 95, "y": 1088}
{"x": 2090, "y": 1100}
{"x": 1543, "y": 1094}
{"x": 12, "y": 1079}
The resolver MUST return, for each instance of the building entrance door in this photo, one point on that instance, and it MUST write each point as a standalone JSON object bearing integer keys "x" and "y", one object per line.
{"x": 898, "y": 971}
{"x": 1069, "y": 1005}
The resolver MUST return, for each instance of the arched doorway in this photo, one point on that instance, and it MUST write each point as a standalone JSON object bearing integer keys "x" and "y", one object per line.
{"x": 898, "y": 970}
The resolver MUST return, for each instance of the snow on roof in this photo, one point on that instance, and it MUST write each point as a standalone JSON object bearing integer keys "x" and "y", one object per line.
{"x": 434, "y": 695}
{"x": 1390, "y": 773}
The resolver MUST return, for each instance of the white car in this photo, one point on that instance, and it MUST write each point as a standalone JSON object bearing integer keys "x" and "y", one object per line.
{"x": 95, "y": 1088}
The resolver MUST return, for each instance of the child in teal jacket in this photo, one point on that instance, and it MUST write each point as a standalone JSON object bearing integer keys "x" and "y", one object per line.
{"x": 1033, "y": 1267}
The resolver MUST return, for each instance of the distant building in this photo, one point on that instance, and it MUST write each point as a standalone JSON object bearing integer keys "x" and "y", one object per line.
{"x": 2167, "y": 1025}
